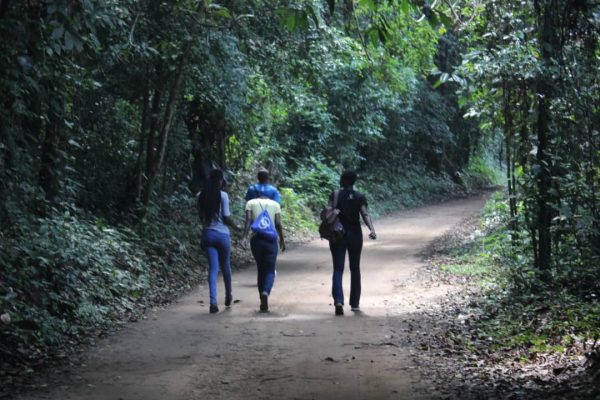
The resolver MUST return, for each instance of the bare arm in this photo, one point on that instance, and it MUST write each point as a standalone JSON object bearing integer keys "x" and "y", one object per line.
{"x": 364, "y": 212}
{"x": 231, "y": 223}
{"x": 247, "y": 222}
{"x": 280, "y": 231}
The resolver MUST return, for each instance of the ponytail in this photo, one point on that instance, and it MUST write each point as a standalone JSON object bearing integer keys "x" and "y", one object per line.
{"x": 209, "y": 201}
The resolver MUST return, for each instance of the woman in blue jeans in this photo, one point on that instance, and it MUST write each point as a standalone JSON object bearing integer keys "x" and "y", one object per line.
{"x": 213, "y": 206}
{"x": 352, "y": 206}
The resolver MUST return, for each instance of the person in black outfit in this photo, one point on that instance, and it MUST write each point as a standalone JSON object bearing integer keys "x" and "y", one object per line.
{"x": 351, "y": 204}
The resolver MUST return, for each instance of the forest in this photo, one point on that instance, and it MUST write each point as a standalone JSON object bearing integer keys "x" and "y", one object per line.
{"x": 114, "y": 111}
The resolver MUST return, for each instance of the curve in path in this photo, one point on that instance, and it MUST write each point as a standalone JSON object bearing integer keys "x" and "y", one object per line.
{"x": 299, "y": 350}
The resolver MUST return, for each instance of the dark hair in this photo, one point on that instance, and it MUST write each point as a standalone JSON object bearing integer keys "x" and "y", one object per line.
{"x": 263, "y": 176}
{"x": 348, "y": 178}
{"x": 209, "y": 201}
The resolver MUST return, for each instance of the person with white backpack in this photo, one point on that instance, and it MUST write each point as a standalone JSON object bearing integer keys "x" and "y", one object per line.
{"x": 263, "y": 217}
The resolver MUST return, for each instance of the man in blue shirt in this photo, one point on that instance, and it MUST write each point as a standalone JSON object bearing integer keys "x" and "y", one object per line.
{"x": 263, "y": 188}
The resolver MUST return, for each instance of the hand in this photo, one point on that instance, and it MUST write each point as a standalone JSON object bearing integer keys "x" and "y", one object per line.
{"x": 244, "y": 244}
{"x": 372, "y": 235}
{"x": 282, "y": 245}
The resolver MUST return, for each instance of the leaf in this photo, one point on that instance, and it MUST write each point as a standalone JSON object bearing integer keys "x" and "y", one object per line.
{"x": 382, "y": 35}
{"x": 384, "y": 23}
{"x": 69, "y": 41}
{"x": 369, "y": 4}
{"x": 434, "y": 21}
{"x": 293, "y": 19}
{"x": 313, "y": 15}
{"x": 74, "y": 143}
{"x": 447, "y": 21}
{"x": 373, "y": 35}
{"x": 57, "y": 33}
{"x": 57, "y": 48}
{"x": 219, "y": 10}
{"x": 405, "y": 6}
{"x": 458, "y": 79}
{"x": 5, "y": 318}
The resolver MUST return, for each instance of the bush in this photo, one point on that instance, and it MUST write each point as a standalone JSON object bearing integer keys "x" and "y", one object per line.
{"x": 66, "y": 275}
{"x": 297, "y": 218}
{"x": 398, "y": 188}
{"x": 313, "y": 182}
{"x": 480, "y": 173}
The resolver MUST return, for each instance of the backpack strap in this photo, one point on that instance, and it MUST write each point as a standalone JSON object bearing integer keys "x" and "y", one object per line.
{"x": 336, "y": 195}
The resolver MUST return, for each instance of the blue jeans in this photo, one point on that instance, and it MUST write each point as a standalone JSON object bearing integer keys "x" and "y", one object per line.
{"x": 217, "y": 246}
{"x": 265, "y": 254}
{"x": 352, "y": 242}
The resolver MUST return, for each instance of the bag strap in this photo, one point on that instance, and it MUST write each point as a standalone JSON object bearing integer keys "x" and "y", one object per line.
{"x": 336, "y": 195}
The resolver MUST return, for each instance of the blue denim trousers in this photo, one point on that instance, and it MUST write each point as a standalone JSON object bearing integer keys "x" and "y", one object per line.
{"x": 217, "y": 246}
{"x": 265, "y": 253}
{"x": 352, "y": 242}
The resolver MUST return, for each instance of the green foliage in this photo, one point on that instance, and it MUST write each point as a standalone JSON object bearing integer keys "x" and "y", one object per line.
{"x": 480, "y": 173}
{"x": 315, "y": 181}
{"x": 394, "y": 188}
{"x": 512, "y": 313}
{"x": 298, "y": 219}
{"x": 541, "y": 323}
{"x": 541, "y": 92}
{"x": 71, "y": 274}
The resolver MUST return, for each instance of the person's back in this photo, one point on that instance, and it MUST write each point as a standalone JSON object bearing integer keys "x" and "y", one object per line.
{"x": 349, "y": 203}
{"x": 257, "y": 205}
{"x": 216, "y": 223}
{"x": 264, "y": 247}
{"x": 257, "y": 189}
{"x": 352, "y": 205}
{"x": 213, "y": 207}
{"x": 263, "y": 188}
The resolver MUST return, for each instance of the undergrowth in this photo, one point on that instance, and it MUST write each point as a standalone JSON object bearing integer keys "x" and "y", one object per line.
{"x": 514, "y": 316}
{"x": 69, "y": 276}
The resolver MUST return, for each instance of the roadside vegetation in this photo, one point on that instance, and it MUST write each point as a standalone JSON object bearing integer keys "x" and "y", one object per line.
{"x": 512, "y": 335}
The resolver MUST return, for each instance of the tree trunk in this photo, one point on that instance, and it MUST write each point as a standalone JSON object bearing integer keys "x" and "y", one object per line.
{"x": 139, "y": 173}
{"x": 510, "y": 157}
{"x": 150, "y": 147}
{"x": 157, "y": 155}
{"x": 544, "y": 180}
{"x": 51, "y": 159}
{"x": 548, "y": 31}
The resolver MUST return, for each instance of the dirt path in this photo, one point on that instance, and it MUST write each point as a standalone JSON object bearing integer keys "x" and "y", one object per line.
{"x": 299, "y": 350}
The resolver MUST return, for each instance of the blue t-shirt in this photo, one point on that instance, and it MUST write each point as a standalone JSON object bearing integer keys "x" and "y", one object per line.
{"x": 258, "y": 189}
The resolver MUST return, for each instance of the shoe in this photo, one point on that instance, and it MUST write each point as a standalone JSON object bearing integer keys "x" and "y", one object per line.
{"x": 339, "y": 309}
{"x": 354, "y": 308}
{"x": 264, "y": 302}
{"x": 214, "y": 309}
{"x": 228, "y": 300}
